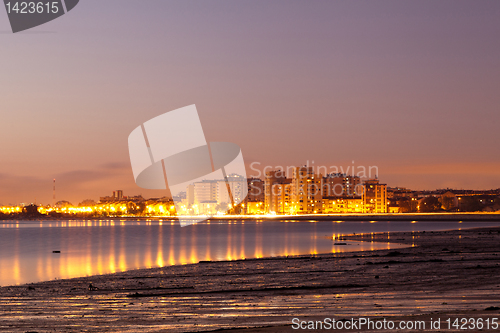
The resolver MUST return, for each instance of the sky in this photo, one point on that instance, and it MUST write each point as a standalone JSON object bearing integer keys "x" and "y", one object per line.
{"x": 410, "y": 87}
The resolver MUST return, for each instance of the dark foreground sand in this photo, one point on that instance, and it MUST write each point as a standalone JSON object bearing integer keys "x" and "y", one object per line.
{"x": 444, "y": 274}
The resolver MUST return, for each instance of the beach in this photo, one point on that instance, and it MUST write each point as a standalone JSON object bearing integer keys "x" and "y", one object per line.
{"x": 441, "y": 274}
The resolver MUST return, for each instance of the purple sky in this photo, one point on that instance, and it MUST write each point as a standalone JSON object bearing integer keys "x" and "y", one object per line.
{"x": 408, "y": 86}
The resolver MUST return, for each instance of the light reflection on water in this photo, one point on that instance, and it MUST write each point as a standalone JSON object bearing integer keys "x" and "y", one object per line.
{"x": 109, "y": 246}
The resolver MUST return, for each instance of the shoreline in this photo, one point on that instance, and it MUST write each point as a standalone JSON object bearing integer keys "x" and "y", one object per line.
{"x": 470, "y": 217}
{"x": 441, "y": 273}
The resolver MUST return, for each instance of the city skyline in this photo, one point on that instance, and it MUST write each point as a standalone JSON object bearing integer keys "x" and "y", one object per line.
{"x": 286, "y": 172}
{"x": 276, "y": 184}
{"x": 407, "y": 87}
{"x": 306, "y": 192}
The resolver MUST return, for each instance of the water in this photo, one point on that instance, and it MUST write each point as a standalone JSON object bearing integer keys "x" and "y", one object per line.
{"x": 109, "y": 246}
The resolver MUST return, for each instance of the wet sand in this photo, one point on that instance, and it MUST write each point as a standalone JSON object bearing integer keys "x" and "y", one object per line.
{"x": 440, "y": 275}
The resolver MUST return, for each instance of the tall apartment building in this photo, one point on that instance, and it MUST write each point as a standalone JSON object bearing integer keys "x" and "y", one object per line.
{"x": 272, "y": 178}
{"x": 255, "y": 190}
{"x": 341, "y": 185}
{"x": 118, "y": 194}
{"x": 281, "y": 200}
{"x": 237, "y": 187}
{"x": 353, "y": 186}
{"x": 306, "y": 191}
{"x": 206, "y": 190}
{"x": 374, "y": 197}
{"x": 333, "y": 185}
{"x": 190, "y": 195}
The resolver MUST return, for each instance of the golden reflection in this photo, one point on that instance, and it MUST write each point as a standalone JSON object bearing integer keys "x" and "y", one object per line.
{"x": 137, "y": 262}
{"x": 182, "y": 256}
{"x": 314, "y": 249}
{"x": 295, "y": 241}
{"x": 194, "y": 256}
{"x": 107, "y": 249}
{"x": 148, "y": 260}
{"x": 88, "y": 266}
{"x": 112, "y": 267}
{"x": 100, "y": 267}
{"x": 17, "y": 270}
{"x": 258, "y": 240}
{"x": 242, "y": 241}
{"x": 229, "y": 245}
{"x": 171, "y": 258}
{"x": 122, "y": 263}
{"x": 159, "y": 256}
{"x": 64, "y": 265}
{"x": 287, "y": 251}
{"x": 207, "y": 235}
{"x": 40, "y": 267}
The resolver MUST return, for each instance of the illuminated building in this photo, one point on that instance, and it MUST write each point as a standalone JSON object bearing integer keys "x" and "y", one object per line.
{"x": 272, "y": 178}
{"x": 255, "y": 207}
{"x": 255, "y": 190}
{"x": 281, "y": 201}
{"x": 205, "y": 190}
{"x": 189, "y": 200}
{"x": 374, "y": 197}
{"x": 332, "y": 205}
{"x": 339, "y": 184}
{"x": 236, "y": 186}
{"x": 118, "y": 194}
{"x": 306, "y": 191}
{"x": 207, "y": 208}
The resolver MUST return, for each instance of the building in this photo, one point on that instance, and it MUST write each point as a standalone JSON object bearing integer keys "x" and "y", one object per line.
{"x": 374, "y": 197}
{"x": 238, "y": 187}
{"x": 306, "y": 191}
{"x": 206, "y": 208}
{"x": 449, "y": 201}
{"x": 118, "y": 194}
{"x": 346, "y": 204}
{"x": 206, "y": 190}
{"x": 281, "y": 199}
{"x": 189, "y": 199}
{"x": 333, "y": 185}
{"x": 135, "y": 198}
{"x": 237, "y": 190}
{"x": 353, "y": 186}
{"x": 255, "y": 207}
{"x": 255, "y": 190}
{"x": 339, "y": 184}
{"x": 272, "y": 178}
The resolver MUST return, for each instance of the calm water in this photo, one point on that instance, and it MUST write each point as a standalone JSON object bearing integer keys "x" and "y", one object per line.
{"x": 100, "y": 247}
